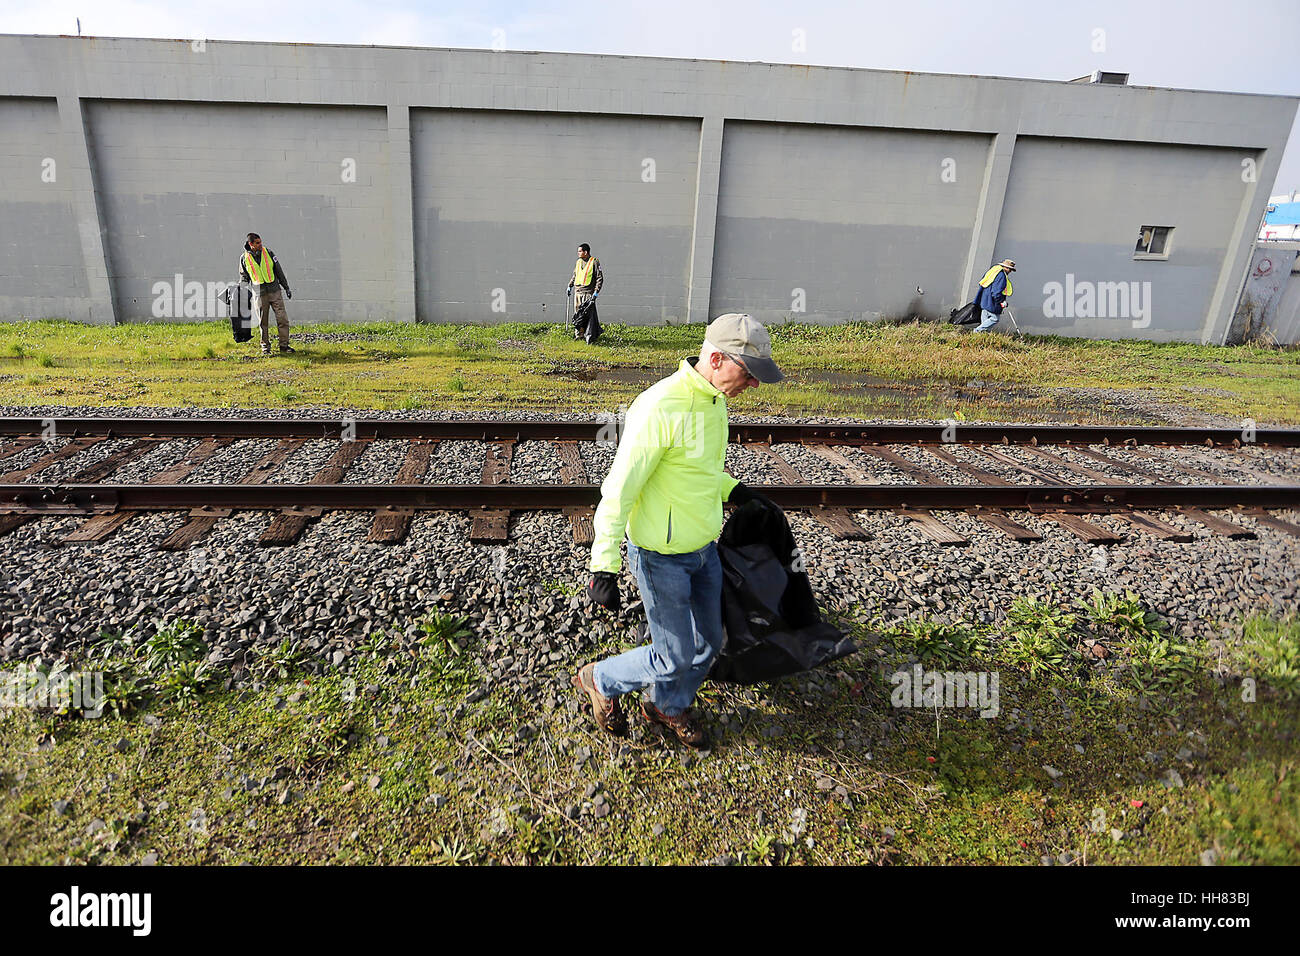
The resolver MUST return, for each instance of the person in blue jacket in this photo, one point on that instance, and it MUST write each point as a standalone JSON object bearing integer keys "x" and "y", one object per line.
{"x": 994, "y": 289}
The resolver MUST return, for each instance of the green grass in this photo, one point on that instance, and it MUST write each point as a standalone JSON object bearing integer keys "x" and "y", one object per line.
{"x": 286, "y": 393}
{"x": 1270, "y": 649}
{"x": 925, "y": 370}
{"x": 402, "y": 760}
{"x": 937, "y": 644}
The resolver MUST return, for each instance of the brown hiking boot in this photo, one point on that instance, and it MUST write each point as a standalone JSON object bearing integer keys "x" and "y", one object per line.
{"x": 608, "y": 714}
{"x": 683, "y": 725}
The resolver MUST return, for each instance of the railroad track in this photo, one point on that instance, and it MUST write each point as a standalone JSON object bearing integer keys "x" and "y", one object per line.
{"x": 1061, "y": 473}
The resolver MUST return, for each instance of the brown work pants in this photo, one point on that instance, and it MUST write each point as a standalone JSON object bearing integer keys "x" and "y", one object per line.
{"x": 263, "y": 304}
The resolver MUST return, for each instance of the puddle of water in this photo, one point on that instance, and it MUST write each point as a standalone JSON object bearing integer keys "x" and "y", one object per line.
{"x": 620, "y": 375}
{"x": 904, "y": 397}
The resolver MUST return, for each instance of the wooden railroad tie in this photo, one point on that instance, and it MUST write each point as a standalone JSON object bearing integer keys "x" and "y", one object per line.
{"x": 202, "y": 520}
{"x": 391, "y": 525}
{"x": 12, "y": 522}
{"x": 966, "y": 468}
{"x": 1082, "y": 528}
{"x": 87, "y": 475}
{"x": 1218, "y": 525}
{"x": 912, "y": 470}
{"x": 20, "y": 445}
{"x": 100, "y": 527}
{"x": 287, "y": 527}
{"x": 74, "y": 447}
{"x": 838, "y": 521}
{"x": 1273, "y": 521}
{"x": 934, "y": 529}
{"x": 1000, "y": 521}
{"x": 1154, "y": 526}
{"x": 492, "y": 525}
{"x": 573, "y": 471}
{"x": 1116, "y": 464}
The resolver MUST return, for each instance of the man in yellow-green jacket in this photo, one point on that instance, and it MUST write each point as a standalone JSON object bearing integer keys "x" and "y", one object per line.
{"x": 665, "y": 490}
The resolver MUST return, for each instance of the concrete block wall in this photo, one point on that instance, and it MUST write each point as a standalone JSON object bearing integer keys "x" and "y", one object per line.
{"x": 181, "y": 184}
{"x": 41, "y": 267}
{"x": 1058, "y": 230}
{"x": 826, "y": 224}
{"x": 479, "y": 171}
{"x": 503, "y": 199}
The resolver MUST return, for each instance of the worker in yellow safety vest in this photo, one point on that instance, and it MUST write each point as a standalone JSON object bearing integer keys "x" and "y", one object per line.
{"x": 259, "y": 267}
{"x": 994, "y": 289}
{"x": 585, "y": 284}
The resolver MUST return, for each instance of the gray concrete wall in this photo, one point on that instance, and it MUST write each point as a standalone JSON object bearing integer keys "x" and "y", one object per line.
{"x": 503, "y": 199}
{"x": 41, "y": 267}
{"x": 819, "y": 224}
{"x": 1074, "y": 209}
{"x": 480, "y": 170}
{"x": 181, "y": 184}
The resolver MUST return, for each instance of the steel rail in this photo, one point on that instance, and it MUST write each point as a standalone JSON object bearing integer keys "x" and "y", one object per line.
{"x": 777, "y": 433}
{"x": 95, "y": 498}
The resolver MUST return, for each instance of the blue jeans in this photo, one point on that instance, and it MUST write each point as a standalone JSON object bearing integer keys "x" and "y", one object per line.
{"x": 682, "y": 594}
{"x": 989, "y": 320}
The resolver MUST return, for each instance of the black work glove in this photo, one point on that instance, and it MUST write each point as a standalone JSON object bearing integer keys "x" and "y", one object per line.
{"x": 604, "y": 591}
{"x": 288, "y": 294}
{"x": 741, "y": 495}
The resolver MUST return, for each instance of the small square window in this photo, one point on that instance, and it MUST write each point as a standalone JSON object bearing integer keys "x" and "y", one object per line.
{"x": 1153, "y": 242}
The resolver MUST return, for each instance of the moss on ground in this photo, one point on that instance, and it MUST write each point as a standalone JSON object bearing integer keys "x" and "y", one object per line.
{"x": 912, "y": 370}
{"x": 404, "y": 759}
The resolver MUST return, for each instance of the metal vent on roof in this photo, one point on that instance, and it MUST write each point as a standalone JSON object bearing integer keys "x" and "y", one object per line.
{"x": 1100, "y": 76}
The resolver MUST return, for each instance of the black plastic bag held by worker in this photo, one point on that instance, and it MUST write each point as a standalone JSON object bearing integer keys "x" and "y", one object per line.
{"x": 239, "y": 302}
{"x": 772, "y": 623}
{"x": 771, "y": 618}
{"x": 968, "y": 314}
{"x": 585, "y": 322}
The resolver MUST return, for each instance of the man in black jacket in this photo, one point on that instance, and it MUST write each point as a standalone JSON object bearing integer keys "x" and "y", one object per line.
{"x": 260, "y": 268}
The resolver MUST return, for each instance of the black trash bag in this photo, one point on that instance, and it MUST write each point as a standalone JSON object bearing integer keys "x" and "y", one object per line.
{"x": 586, "y": 322}
{"x": 772, "y": 624}
{"x": 240, "y": 329}
{"x": 239, "y": 300}
{"x": 770, "y": 615}
{"x": 968, "y": 314}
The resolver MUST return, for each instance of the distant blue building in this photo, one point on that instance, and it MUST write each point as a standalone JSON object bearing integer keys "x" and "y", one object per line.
{"x": 1282, "y": 219}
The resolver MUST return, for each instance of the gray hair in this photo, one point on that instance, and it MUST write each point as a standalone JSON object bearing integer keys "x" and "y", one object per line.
{"x": 706, "y": 350}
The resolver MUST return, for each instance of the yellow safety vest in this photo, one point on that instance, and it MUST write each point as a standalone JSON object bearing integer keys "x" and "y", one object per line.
{"x": 991, "y": 275}
{"x": 584, "y": 273}
{"x": 263, "y": 274}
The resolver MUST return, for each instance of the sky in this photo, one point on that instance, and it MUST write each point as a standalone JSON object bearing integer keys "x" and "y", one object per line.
{"x": 1187, "y": 44}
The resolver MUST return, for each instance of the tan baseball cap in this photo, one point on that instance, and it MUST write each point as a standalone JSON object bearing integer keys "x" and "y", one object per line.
{"x": 743, "y": 337}
{"x": 1009, "y": 263}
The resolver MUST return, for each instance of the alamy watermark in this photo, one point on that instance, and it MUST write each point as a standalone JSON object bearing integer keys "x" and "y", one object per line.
{"x": 58, "y": 690}
{"x": 611, "y": 427}
{"x": 178, "y": 299}
{"x": 934, "y": 689}
{"x": 1084, "y": 299}
{"x": 127, "y": 910}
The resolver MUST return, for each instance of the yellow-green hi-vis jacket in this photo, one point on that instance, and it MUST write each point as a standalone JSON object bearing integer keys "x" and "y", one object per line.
{"x": 667, "y": 483}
